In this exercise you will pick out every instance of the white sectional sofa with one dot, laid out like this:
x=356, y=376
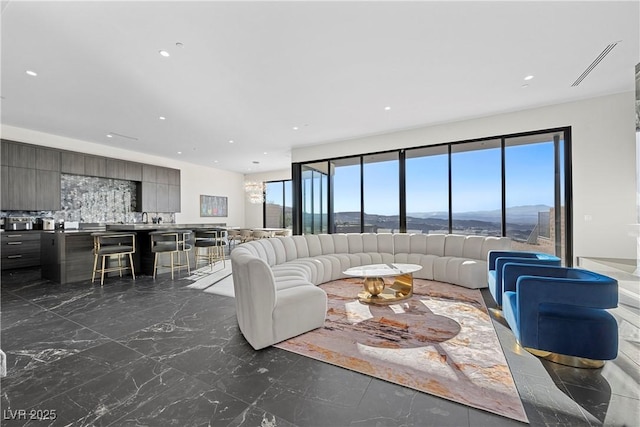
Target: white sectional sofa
x=275, y=279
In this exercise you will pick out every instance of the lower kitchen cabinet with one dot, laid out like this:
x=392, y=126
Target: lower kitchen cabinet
x=20, y=249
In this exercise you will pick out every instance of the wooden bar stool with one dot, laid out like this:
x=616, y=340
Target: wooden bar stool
x=213, y=242
x=174, y=243
x=110, y=244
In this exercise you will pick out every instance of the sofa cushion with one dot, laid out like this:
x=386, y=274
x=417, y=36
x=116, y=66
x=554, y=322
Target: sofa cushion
x=454, y=245
x=302, y=249
x=313, y=243
x=340, y=243
x=473, y=247
x=435, y=244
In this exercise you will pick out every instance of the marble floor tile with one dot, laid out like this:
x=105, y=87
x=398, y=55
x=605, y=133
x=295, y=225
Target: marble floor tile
x=154, y=352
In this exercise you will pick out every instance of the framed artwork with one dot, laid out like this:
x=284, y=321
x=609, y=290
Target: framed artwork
x=213, y=205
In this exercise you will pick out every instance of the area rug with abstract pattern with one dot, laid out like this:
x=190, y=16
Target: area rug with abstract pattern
x=440, y=341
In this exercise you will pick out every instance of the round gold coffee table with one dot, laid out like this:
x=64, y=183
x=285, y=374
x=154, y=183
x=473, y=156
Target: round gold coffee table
x=385, y=283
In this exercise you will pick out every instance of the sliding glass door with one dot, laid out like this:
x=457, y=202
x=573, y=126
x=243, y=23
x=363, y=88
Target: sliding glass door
x=534, y=194
x=427, y=189
x=315, y=212
x=515, y=186
x=476, y=183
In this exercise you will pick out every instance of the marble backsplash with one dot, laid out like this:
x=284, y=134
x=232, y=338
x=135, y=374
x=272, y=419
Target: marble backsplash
x=88, y=199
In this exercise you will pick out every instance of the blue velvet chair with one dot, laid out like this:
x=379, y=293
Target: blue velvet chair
x=560, y=313
x=497, y=259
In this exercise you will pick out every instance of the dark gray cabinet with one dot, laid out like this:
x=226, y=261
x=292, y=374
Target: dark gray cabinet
x=160, y=189
x=148, y=198
x=47, y=195
x=21, y=189
x=19, y=155
x=133, y=171
x=162, y=197
x=47, y=159
x=115, y=169
x=149, y=173
x=20, y=249
x=174, y=198
x=95, y=166
x=31, y=177
x=72, y=163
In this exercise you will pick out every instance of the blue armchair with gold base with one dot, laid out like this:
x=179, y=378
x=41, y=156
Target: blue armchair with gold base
x=560, y=313
x=497, y=259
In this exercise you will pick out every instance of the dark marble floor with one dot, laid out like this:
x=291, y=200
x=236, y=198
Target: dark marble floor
x=156, y=353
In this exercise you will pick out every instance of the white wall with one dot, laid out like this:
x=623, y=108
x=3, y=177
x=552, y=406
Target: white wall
x=194, y=180
x=253, y=215
x=604, y=170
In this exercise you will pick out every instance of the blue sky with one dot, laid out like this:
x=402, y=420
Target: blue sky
x=476, y=181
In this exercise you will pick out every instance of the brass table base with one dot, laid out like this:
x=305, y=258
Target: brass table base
x=378, y=291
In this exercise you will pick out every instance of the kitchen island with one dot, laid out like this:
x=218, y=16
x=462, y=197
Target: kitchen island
x=67, y=255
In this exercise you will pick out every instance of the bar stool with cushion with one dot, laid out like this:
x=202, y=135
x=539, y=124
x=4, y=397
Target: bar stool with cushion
x=213, y=242
x=174, y=243
x=112, y=244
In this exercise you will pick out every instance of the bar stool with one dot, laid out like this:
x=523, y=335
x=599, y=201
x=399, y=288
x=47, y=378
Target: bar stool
x=213, y=241
x=172, y=242
x=109, y=244
x=233, y=236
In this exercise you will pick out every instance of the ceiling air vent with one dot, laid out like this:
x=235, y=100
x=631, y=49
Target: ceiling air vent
x=593, y=65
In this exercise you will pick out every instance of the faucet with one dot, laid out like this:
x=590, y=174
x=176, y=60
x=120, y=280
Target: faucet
x=145, y=218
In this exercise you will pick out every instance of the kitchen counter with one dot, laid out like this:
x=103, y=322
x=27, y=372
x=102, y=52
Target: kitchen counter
x=163, y=226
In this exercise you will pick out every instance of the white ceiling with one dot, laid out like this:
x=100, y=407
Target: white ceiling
x=251, y=71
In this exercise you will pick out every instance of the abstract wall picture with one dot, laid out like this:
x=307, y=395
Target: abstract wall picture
x=213, y=206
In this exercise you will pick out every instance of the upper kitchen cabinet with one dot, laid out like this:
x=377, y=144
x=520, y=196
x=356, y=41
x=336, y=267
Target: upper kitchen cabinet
x=133, y=171
x=72, y=163
x=116, y=169
x=174, y=176
x=95, y=166
x=160, y=189
x=149, y=173
x=18, y=155
x=47, y=159
x=30, y=177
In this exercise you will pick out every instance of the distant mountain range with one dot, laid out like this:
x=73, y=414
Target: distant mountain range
x=515, y=215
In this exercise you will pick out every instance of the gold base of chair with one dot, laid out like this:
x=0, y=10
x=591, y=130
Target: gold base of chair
x=563, y=359
x=105, y=269
x=173, y=265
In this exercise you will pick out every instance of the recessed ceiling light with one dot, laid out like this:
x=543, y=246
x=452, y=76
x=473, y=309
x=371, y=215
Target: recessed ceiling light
x=109, y=135
x=32, y=73
x=231, y=141
x=529, y=77
x=215, y=161
x=179, y=152
x=164, y=53
x=162, y=118
x=525, y=85
x=178, y=44
x=255, y=162
x=387, y=108
x=295, y=128
x=265, y=153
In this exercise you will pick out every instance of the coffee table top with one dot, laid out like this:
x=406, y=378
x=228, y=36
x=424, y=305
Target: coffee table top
x=382, y=270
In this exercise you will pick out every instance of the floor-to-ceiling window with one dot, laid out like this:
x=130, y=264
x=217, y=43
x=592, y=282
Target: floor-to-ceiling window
x=278, y=204
x=476, y=183
x=427, y=189
x=514, y=185
x=346, y=195
x=533, y=192
x=381, y=193
x=315, y=213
